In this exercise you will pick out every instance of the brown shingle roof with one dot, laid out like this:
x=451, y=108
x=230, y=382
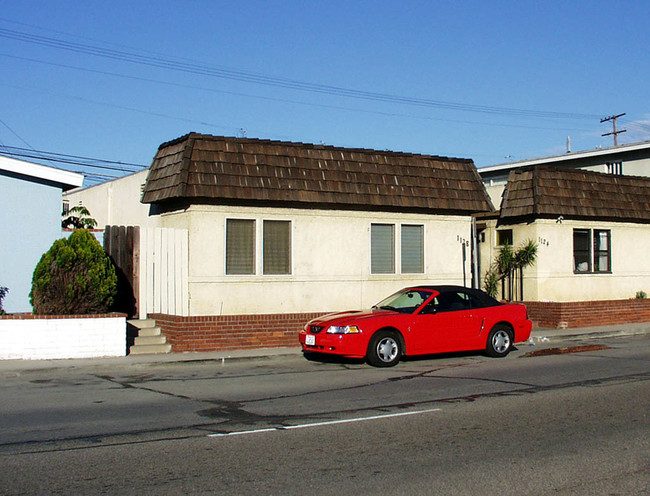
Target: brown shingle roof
x=204, y=168
x=550, y=192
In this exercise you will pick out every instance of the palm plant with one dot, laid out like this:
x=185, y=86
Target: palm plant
x=78, y=218
x=3, y=293
x=508, y=263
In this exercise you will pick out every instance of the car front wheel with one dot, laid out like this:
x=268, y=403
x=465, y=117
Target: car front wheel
x=499, y=342
x=384, y=350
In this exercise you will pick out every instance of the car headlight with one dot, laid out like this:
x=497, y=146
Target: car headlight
x=343, y=330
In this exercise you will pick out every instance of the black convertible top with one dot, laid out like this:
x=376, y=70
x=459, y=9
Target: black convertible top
x=485, y=299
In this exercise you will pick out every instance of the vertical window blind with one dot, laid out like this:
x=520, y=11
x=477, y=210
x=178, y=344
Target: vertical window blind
x=240, y=246
x=276, y=253
x=412, y=249
x=382, y=251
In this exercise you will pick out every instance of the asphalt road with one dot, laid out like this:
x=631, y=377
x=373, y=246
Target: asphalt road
x=569, y=424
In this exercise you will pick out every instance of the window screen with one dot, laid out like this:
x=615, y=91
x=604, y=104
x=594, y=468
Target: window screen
x=412, y=249
x=382, y=251
x=240, y=246
x=601, y=251
x=277, y=247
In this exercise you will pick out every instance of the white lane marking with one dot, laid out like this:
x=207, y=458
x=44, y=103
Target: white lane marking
x=329, y=422
x=239, y=433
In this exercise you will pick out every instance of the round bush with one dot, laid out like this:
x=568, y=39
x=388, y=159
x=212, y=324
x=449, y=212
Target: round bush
x=74, y=277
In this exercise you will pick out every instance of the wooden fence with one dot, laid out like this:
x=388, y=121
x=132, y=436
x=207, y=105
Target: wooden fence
x=152, y=265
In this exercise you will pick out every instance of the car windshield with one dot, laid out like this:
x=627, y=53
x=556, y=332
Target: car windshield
x=407, y=301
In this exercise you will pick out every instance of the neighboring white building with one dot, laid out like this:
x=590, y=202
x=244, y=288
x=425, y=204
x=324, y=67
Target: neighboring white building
x=628, y=160
x=115, y=202
x=30, y=201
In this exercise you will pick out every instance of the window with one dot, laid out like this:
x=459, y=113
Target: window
x=602, y=251
x=615, y=168
x=451, y=301
x=504, y=237
x=412, y=249
x=382, y=248
x=591, y=250
x=404, y=302
x=240, y=246
x=581, y=251
x=276, y=252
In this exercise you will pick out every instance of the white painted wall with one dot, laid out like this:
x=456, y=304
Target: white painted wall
x=115, y=203
x=330, y=260
x=45, y=338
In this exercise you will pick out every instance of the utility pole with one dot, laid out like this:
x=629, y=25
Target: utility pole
x=615, y=133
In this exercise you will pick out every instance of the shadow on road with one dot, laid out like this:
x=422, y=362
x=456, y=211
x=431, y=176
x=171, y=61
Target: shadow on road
x=327, y=358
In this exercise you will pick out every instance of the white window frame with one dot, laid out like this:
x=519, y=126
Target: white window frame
x=258, y=245
x=398, y=248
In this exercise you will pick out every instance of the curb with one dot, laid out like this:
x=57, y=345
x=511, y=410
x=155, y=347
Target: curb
x=538, y=336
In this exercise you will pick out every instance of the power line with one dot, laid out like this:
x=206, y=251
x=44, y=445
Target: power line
x=77, y=161
x=256, y=78
x=14, y=132
x=97, y=160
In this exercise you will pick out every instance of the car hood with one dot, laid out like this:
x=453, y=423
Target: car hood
x=350, y=316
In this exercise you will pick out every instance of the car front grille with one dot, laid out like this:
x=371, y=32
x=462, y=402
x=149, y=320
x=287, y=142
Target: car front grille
x=316, y=329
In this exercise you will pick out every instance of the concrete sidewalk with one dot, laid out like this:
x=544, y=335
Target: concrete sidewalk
x=539, y=336
x=543, y=334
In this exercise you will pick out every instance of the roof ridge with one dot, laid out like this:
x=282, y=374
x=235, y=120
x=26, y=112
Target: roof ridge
x=301, y=144
x=248, y=169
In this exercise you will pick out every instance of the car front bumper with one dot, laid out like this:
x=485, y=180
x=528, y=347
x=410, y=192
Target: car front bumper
x=348, y=345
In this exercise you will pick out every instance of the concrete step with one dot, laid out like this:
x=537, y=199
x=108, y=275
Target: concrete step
x=150, y=349
x=150, y=331
x=142, y=323
x=147, y=340
x=150, y=339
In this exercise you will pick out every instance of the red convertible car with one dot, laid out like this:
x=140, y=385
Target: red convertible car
x=419, y=321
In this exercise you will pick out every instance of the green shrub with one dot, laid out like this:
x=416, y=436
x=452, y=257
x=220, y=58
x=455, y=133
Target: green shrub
x=641, y=295
x=74, y=277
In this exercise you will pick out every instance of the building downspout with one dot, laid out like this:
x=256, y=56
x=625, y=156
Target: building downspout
x=475, y=272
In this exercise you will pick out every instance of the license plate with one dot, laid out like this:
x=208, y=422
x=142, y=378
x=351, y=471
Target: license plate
x=310, y=340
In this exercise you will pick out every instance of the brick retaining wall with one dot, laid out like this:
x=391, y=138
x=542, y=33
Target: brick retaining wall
x=236, y=332
x=574, y=314
x=232, y=332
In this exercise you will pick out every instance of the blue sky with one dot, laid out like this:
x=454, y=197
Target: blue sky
x=493, y=81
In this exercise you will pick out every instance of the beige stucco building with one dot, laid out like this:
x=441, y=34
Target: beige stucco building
x=592, y=230
x=278, y=227
x=329, y=258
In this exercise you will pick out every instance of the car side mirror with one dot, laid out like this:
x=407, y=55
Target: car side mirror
x=429, y=310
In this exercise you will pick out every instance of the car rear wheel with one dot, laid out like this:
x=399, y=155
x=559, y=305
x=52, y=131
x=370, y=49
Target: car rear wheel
x=499, y=342
x=385, y=349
